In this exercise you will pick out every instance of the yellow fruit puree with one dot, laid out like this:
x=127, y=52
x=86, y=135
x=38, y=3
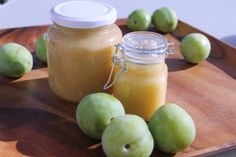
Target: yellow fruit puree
x=142, y=89
x=79, y=60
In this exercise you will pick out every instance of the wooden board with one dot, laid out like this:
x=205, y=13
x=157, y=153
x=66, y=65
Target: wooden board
x=34, y=122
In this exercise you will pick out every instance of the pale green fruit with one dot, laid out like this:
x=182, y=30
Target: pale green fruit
x=139, y=20
x=15, y=60
x=41, y=48
x=95, y=112
x=127, y=136
x=165, y=20
x=172, y=128
x=195, y=47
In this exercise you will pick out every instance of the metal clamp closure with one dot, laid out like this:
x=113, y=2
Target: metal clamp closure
x=118, y=59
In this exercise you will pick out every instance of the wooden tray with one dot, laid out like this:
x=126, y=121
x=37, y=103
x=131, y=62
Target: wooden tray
x=34, y=122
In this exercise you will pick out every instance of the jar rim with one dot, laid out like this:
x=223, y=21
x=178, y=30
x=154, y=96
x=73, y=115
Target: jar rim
x=145, y=42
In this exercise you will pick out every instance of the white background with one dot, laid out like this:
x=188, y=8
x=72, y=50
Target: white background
x=216, y=17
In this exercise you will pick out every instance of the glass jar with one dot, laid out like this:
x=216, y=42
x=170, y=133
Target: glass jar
x=80, y=46
x=141, y=73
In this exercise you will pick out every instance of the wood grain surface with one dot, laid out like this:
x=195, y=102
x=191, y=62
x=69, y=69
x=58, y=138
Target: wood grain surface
x=34, y=122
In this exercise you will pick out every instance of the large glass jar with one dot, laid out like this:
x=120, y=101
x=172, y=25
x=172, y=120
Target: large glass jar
x=80, y=46
x=141, y=73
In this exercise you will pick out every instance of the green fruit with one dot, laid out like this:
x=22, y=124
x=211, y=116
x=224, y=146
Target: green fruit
x=172, y=128
x=165, y=20
x=195, y=47
x=139, y=20
x=41, y=48
x=95, y=112
x=15, y=60
x=127, y=136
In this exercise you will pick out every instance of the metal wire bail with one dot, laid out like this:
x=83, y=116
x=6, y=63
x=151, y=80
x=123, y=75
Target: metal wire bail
x=117, y=59
x=170, y=48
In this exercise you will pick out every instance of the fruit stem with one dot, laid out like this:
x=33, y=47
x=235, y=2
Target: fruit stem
x=95, y=146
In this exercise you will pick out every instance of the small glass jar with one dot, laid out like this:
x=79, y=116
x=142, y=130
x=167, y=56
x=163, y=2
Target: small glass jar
x=80, y=46
x=140, y=81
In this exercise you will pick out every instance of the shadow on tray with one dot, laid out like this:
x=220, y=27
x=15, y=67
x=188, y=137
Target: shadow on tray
x=41, y=123
x=177, y=64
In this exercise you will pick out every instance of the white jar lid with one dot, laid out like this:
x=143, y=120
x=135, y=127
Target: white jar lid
x=83, y=14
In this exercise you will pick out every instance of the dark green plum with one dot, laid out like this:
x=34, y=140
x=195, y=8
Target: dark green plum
x=41, y=48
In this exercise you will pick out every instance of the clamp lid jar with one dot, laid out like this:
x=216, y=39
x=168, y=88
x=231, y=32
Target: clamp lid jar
x=140, y=81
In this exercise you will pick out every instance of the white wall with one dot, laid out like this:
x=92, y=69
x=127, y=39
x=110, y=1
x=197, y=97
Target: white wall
x=215, y=17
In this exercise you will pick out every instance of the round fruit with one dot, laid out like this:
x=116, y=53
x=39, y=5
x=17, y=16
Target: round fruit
x=195, y=47
x=165, y=20
x=139, y=20
x=15, y=60
x=41, y=48
x=172, y=128
x=127, y=136
x=95, y=112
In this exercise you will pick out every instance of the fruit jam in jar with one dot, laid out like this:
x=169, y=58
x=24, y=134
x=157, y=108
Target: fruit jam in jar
x=140, y=81
x=80, y=46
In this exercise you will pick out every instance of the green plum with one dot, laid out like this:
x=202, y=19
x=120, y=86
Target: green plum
x=15, y=60
x=95, y=112
x=195, y=48
x=172, y=128
x=165, y=19
x=127, y=136
x=41, y=48
x=139, y=20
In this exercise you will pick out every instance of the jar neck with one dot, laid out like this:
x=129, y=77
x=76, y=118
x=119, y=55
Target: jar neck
x=144, y=58
x=81, y=30
x=145, y=69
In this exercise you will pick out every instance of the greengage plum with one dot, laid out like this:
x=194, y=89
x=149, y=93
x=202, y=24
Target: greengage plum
x=172, y=128
x=41, y=48
x=165, y=19
x=139, y=20
x=15, y=60
x=195, y=47
x=95, y=112
x=127, y=136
